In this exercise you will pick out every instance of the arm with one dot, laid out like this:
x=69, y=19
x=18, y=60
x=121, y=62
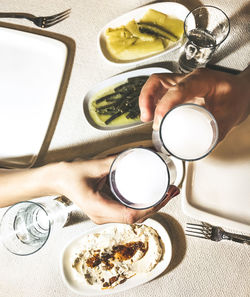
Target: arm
x=21, y=184
x=226, y=96
x=83, y=182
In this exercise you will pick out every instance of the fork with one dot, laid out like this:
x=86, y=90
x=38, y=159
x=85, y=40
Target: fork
x=42, y=21
x=214, y=233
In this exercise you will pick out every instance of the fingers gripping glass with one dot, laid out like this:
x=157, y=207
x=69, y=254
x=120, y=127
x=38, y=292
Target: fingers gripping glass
x=188, y=132
x=139, y=177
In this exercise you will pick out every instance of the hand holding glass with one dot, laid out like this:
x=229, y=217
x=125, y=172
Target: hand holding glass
x=139, y=177
x=188, y=132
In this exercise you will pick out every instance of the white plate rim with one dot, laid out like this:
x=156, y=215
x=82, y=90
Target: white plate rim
x=45, y=139
x=170, y=8
x=130, y=283
x=111, y=81
x=201, y=215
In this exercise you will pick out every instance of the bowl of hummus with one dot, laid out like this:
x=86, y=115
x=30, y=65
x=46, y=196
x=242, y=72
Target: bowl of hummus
x=112, y=258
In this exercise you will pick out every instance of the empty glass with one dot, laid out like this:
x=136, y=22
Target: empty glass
x=25, y=227
x=139, y=177
x=205, y=28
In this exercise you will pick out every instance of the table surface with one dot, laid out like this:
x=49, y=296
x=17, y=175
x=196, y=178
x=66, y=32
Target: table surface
x=198, y=267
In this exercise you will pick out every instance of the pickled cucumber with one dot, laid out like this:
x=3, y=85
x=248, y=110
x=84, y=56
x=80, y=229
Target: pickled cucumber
x=141, y=49
x=117, y=46
x=118, y=33
x=118, y=39
x=153, y=29
x=171, y=24
x=133, y=28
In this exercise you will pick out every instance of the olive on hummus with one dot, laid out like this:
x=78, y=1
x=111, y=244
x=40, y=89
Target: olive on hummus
x=119, y=252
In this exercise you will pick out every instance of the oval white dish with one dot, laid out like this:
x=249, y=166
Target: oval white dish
x=110, y=82
x=80, y=288
x=170, y=8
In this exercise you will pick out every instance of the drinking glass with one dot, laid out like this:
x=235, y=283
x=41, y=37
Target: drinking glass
x=205, y=28
x=140, y=177
x=188, y=132
x=25, y=226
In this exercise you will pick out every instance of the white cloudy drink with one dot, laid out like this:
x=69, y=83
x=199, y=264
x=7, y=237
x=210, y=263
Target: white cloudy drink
x=188, y=132
x=140, y=178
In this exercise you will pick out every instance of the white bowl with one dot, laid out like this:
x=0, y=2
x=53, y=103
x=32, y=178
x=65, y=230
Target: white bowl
x=110, y=82
x=80, y=288
x=170, y=8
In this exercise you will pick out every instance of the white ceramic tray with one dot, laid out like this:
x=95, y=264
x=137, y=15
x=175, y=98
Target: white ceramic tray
x=217, y=189
x=34, y=73
x=170, y=8
x=80, y=288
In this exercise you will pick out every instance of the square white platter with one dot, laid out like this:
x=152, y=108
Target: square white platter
x=34, y=73
x=217, y=189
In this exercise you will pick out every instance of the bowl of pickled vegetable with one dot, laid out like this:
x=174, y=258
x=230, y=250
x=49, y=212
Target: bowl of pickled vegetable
x=114, y=103
x=143, y=33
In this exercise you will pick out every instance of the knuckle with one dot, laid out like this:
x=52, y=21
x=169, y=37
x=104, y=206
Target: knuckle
x=226, y=85
x=179, y=88
x=199, y=71
x=160, y=110
x=154, y=76
x=182, y=87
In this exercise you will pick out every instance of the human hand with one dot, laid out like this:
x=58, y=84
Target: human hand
x=225, y=95
x=83, y=182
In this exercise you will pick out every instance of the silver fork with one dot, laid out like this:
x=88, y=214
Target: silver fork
x=41, y=21
x=207, y=231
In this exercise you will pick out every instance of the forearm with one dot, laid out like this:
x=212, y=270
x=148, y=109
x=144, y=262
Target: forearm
x=25, y=184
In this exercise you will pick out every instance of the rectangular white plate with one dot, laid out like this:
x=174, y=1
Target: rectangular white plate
x=217, y=189
x=33, y=73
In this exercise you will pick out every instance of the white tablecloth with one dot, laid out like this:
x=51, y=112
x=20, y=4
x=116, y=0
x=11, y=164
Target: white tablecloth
x=198, y=267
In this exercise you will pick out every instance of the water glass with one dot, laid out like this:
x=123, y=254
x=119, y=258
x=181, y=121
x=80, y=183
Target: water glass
x=25, y=227
x=205, y=28
x=188, y=132
x=140, y=177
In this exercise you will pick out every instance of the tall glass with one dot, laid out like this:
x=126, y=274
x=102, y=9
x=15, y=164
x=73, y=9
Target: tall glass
x=25, y=227
x=188, y=132
x=205, y=28
x=139, y=177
